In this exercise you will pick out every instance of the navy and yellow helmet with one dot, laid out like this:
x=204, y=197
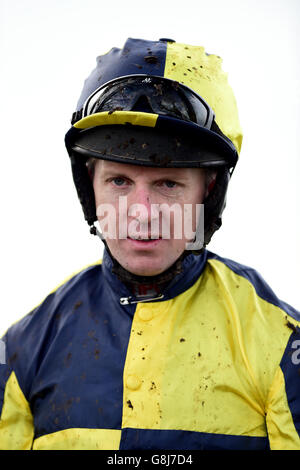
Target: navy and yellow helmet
x=160, y=104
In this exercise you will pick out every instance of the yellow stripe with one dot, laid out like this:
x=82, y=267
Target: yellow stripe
x=282, y=432
x=80, y=439
x=203, y=73
x=253, y=319
x=213, y=360
x=233, y=310
x=193, y=376
x=135, y=118
x=16, y=424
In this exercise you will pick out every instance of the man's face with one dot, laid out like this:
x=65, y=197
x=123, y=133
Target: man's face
x=127, y=199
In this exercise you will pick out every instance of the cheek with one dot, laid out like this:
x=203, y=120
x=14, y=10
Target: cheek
x=101, y=194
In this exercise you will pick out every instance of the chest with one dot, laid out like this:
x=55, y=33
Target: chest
x=170, y=376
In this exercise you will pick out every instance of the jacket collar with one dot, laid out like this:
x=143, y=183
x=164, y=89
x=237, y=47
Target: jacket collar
x=191, y=268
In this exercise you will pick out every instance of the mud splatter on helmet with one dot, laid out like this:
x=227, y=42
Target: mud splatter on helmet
x=159, y=104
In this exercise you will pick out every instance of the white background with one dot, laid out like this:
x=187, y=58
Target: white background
x=47, y=50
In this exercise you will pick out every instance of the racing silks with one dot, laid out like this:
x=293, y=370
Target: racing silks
x=214, y=364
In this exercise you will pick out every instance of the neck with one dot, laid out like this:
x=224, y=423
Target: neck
x=147, y=285
x=177, y=279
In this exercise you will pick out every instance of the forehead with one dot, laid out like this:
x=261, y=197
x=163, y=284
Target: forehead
x=106, y=167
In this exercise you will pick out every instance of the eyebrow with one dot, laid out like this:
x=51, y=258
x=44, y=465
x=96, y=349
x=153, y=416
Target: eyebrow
x=113, y=172
x=122, y=173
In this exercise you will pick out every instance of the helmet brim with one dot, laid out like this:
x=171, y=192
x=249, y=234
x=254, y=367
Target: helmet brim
x=149, y=140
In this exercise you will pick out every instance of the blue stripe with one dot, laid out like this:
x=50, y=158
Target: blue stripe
x=209, y=139
x=5, y=371
x=290, y=366
x=134, y=58
x=70, y=354
x=188, y=440
x=192, y=264
x=263, y=290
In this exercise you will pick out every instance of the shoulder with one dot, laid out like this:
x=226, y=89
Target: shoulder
x=64, y=293
x=27, y=340
x=239, y=276
x=263, y=328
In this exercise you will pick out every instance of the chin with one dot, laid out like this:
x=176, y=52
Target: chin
x=145, y=270
x=143, y=264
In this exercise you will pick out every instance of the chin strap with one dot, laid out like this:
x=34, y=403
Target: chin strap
x=95, y=231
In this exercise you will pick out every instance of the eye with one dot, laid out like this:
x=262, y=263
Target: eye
x=118, y=181
x=170, y=184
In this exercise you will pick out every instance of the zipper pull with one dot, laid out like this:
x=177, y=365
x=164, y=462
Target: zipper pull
x=128, y=300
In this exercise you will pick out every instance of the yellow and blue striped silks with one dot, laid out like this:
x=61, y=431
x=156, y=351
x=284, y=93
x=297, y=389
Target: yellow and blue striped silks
x=213, y=365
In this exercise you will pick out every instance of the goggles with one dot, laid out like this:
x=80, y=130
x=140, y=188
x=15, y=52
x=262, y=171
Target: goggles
x=141, y=92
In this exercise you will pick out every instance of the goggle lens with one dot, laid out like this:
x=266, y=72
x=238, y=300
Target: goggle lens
x=162, y=96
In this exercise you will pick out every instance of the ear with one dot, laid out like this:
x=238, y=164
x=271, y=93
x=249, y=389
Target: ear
x=90, y=164
x=91, y=173
x=210, y=184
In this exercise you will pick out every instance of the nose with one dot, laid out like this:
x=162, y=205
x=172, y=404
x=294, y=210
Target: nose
x=140, y=201
x=142, y=195
x=142, y=217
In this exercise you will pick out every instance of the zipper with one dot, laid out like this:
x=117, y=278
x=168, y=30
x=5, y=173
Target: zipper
x=128, y=300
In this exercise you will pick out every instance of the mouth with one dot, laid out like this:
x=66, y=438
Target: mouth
x=144, y=239
x=144, y=242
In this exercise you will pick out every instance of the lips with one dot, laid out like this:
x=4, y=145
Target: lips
x=144, y=242
x=143, y=239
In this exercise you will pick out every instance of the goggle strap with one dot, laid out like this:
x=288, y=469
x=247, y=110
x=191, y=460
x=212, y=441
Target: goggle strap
x=76, y=116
